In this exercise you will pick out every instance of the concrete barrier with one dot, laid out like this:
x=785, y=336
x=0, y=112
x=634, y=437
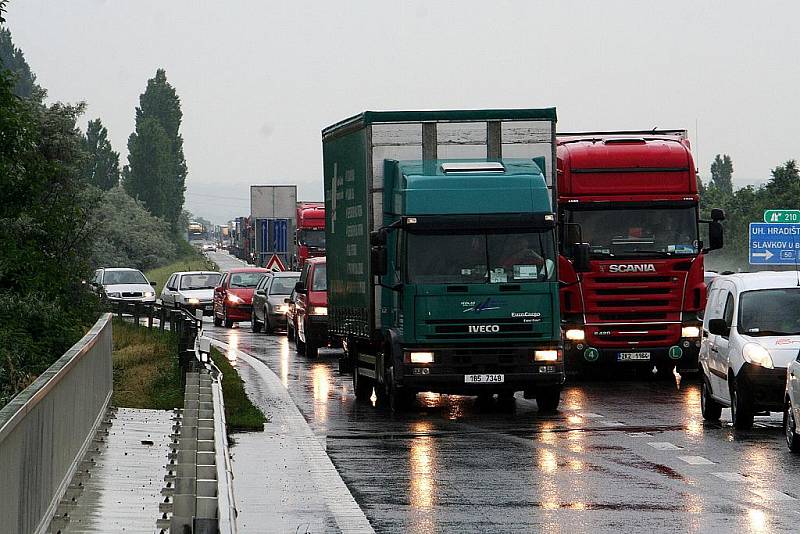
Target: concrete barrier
x=47, y=428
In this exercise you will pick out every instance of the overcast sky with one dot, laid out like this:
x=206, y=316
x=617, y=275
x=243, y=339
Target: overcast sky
x=258, y=80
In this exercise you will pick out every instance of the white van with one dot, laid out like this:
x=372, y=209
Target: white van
x=751, y=331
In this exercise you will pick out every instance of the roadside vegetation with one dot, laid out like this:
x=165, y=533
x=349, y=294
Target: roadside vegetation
x=240, y=413
x=146, y=370
x=191, y=262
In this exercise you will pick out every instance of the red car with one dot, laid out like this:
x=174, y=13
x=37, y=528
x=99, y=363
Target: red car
x=309, y=326
x=233, y=297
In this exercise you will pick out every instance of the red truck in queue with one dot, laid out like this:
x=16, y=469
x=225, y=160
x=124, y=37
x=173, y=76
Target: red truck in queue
x=310, y=232
x=631, y=260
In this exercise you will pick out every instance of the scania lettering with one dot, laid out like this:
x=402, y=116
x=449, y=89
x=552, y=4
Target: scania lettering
x=631, y=257
x=449, y=216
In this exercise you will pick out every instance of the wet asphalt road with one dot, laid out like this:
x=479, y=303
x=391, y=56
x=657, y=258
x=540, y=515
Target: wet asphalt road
x=628, y=453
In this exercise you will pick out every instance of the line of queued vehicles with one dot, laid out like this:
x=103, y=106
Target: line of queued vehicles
x=477, y=252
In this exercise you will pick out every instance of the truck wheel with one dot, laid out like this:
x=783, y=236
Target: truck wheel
x=255, y=326
x=741, y=411
x=399, y=399
x=362, y=386
x=790, y=428
x=548, y=397
x=710, y=408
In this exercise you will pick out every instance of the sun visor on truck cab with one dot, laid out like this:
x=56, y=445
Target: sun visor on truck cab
x=510, y=222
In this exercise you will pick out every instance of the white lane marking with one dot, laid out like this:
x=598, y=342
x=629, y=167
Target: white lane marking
x=590, y=415
x=640, y=434
x=612, y=423
x=664, y=446
x=772, y=495
x=729, y=476
x=696, y=460
x=344, y=508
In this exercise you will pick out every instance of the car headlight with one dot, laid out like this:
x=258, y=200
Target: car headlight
x=690, y=331
x=192, y=300
x=319, y=310
x=546, y=355
x=114, y=294
x=575, y=334
x=757, y=355
x=420, y=357
x=234, y=299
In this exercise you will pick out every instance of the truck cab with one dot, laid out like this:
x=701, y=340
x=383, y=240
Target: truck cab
x=631, y=255
x=310, y=233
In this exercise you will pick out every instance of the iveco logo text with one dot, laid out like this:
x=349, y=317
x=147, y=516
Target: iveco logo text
x=643, y=268
x=483, y=328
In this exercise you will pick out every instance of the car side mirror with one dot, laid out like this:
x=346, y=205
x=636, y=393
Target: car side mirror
x=378, y=260
x=718, y=327
x=287, y=301
x=154, y=284
x=299, y=288
x=260, y=292
x=581, y=258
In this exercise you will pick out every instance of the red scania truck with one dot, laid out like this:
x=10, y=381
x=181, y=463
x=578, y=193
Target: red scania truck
x=631, y=260
x=310, y=233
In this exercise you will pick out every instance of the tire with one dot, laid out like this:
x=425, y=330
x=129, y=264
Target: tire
x=741, y=410
x=548, y=397
x=289, y=330
x=227, y=322
x=362, y=386
x=711, y=409
x=268, y=328
x=398, y=399
x=790, y=428
x=255, y=326
x=311, y=351
x=217, y=320
x=299, y=346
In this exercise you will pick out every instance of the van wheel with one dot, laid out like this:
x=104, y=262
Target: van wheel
x=362, y=386
x=548, y=397
x=710, y=408
x=790, y=428
x=741, y=411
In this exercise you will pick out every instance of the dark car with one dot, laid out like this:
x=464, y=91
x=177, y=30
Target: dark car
x=233, y=297
x=269, y=301
x=311, y=308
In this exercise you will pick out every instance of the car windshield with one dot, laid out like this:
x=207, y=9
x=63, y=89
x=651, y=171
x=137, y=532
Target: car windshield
x=770, y=312
x=199, y=281
x=463, y=258
x=111, y=278
x=633, y=232
x=320, y=278
x=313, y=238
x=245, y=279
x=283, y=285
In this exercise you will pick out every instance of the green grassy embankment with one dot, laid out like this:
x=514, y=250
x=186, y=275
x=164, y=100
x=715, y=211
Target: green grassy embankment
x=240, y=413
x=192, y=262
x=146, y=371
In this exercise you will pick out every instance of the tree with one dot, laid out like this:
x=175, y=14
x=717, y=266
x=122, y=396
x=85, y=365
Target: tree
x=722, y=173
x=13, y=60
x=102, y=168
x=157, y=170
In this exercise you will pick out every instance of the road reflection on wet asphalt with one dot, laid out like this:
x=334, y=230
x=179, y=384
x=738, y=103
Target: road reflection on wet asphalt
x=620, y=454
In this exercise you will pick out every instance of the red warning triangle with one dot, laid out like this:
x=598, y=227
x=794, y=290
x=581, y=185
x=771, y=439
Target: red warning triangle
x=275, y=264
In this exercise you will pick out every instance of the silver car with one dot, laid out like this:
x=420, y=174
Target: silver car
x=192, y=290
x=269, y=301
x=123, y=285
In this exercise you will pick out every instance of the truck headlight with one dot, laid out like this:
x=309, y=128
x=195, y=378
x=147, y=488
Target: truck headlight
x=192, y=300
x=546, y=355
x=690, y=331
x=757, y=355
x=420, y=357
x=319, y=310
x=575, y=334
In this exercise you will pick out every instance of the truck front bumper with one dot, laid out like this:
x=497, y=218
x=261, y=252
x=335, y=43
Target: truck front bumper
x=682, y=353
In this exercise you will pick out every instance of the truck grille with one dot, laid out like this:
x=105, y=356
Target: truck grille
x=474, y=328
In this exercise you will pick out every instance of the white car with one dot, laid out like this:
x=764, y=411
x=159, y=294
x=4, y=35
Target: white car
x=120, y=284
x=209, y=247
x=751, y=333
x=791, y=414
x=192, y=290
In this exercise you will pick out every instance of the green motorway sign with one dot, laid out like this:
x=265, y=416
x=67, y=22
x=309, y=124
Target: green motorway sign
x=782, y=216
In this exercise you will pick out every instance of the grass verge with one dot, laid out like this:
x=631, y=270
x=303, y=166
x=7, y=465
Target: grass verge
x=191, y=262
x=240, y=413
x=146, y=371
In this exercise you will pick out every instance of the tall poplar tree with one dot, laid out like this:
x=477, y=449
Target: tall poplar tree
x=102, y=167
x=156, y=171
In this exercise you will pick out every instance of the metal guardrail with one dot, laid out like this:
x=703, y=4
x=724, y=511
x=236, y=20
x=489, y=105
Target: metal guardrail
x=48, y=427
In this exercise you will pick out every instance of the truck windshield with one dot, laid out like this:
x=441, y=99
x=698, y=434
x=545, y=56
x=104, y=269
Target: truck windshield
x=312, y=238
x=634, y=231
x=477, y=258
x=766, y=312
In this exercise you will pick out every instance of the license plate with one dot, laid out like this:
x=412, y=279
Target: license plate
x=633, y=357
x=209, y=307
x=484, y=379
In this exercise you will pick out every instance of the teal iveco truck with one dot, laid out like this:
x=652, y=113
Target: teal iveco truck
x=441, y=252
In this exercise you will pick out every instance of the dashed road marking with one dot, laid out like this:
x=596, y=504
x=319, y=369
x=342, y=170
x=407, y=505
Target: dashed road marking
x=613, y=423
x=590, y=415
x=664, y=446
x=640, y=434
x=730, y=476
x=772, y=495
x=696, y=460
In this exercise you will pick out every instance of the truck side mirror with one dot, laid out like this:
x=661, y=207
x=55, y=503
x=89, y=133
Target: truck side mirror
x=299, y=288
x=378, y=260
x=718, y=327
x=715, y=236
x=581, y=258
x=377, y=238
x=717, y=214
